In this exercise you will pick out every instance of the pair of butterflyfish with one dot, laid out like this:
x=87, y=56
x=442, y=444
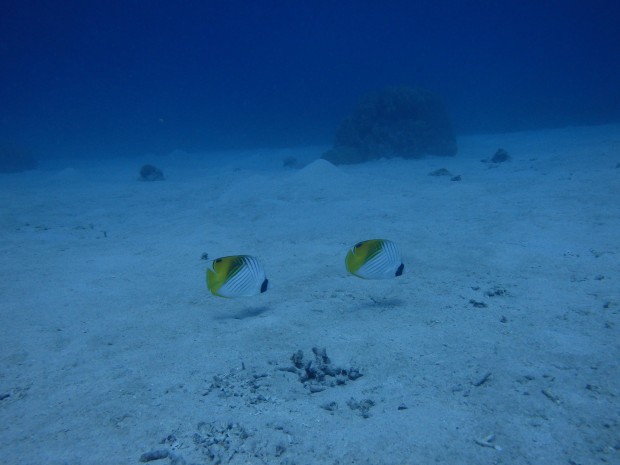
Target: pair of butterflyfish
x=244, y=275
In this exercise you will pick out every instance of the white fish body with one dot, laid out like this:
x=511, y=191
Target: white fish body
x=374, y=259
x=236, y=276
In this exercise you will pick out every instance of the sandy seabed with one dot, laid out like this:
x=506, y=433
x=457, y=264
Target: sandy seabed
x=500, y=344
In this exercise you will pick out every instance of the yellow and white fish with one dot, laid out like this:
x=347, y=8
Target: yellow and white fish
x=374, y=259
x=236, y=276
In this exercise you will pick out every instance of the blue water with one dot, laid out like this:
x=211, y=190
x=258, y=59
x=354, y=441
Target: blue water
x=109, y=78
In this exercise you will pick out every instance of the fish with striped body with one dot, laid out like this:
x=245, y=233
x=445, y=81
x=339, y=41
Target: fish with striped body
x=374, y=259
x=236, y=276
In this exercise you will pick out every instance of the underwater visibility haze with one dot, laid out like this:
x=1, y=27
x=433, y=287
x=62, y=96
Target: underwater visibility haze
x=127, y=78
x=309, y=232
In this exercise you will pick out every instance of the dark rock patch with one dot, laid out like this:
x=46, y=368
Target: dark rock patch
x=477, y=303
x=151, y=173
x=440, y=172
x=500, y=156
x=396, y=122
x=496, y=292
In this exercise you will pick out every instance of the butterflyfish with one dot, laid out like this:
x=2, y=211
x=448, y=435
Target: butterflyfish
x=236, y=276
x=374, y=259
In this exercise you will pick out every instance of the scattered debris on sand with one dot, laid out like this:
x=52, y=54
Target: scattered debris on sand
x=320, y=373
x=488, y=442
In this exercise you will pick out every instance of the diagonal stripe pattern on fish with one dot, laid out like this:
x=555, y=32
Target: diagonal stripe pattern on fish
x=236, y=276
x=374, y=259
